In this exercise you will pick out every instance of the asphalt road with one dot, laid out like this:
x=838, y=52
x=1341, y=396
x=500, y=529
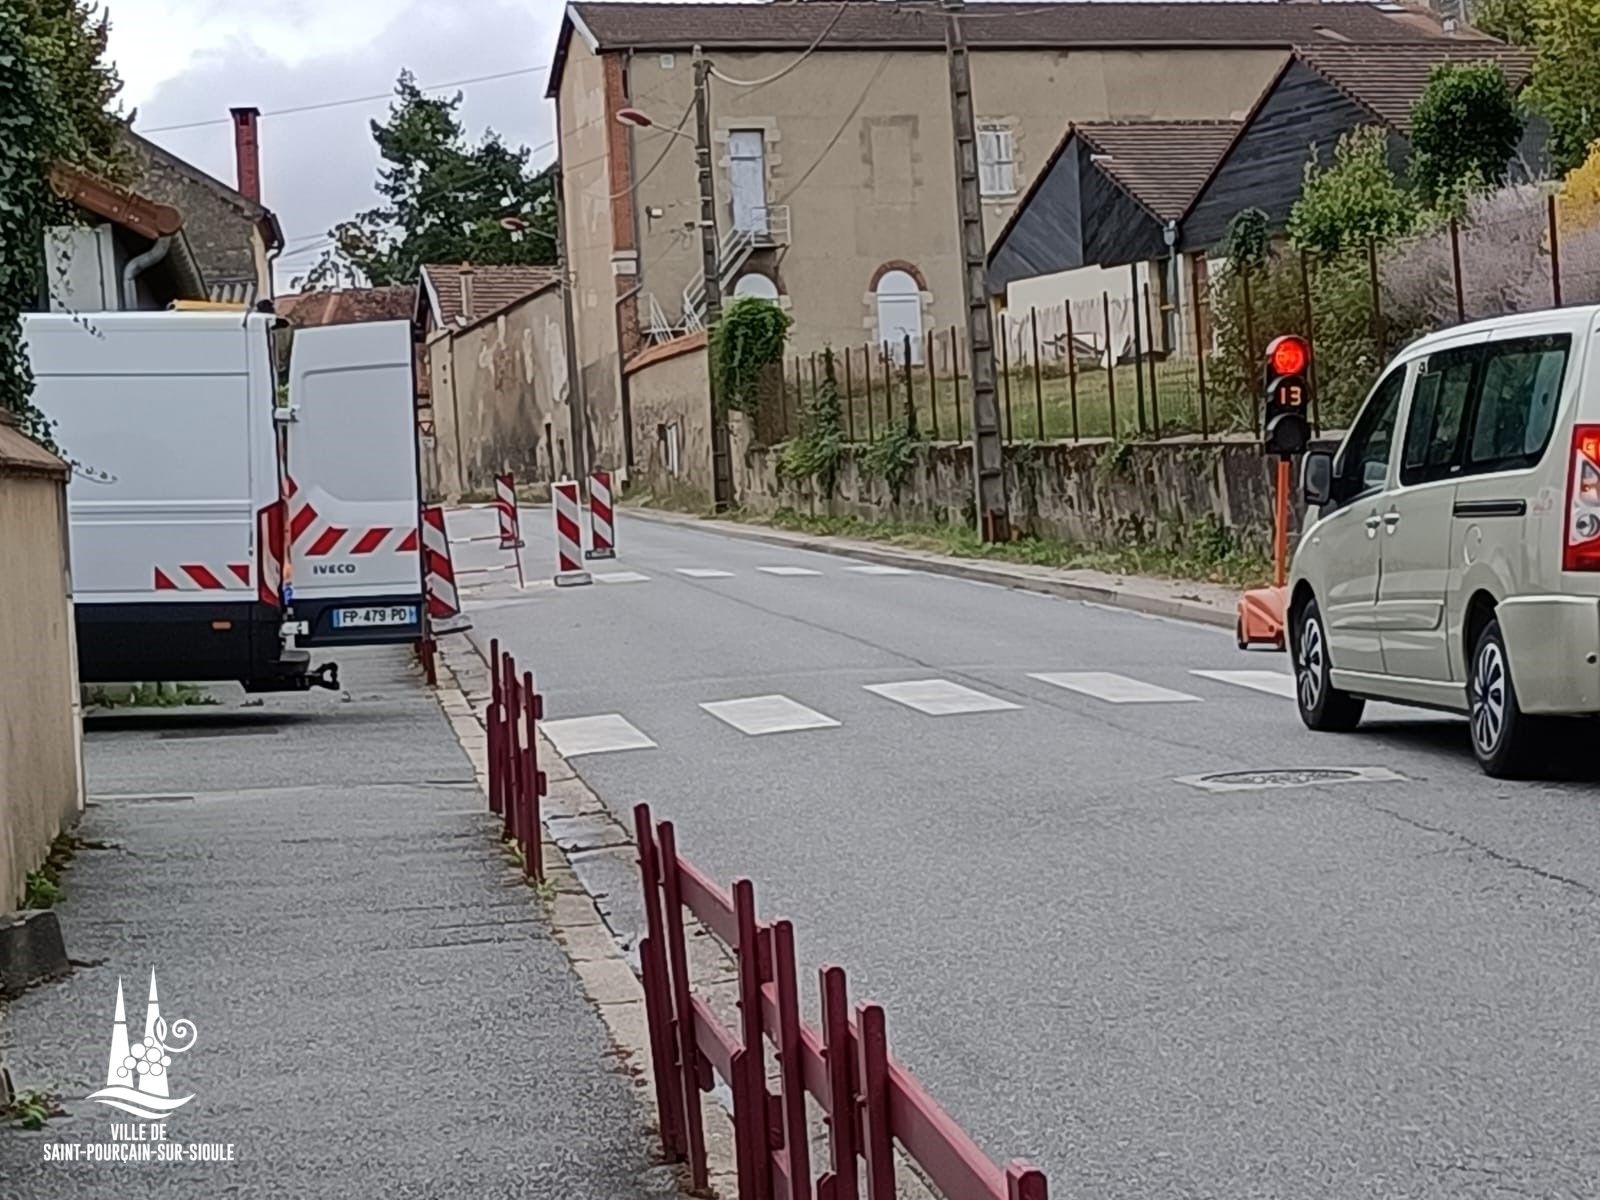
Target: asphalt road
x=1377, y=988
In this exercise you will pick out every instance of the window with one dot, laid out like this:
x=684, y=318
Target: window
x=1440, y=403
x=997, y=166
x=754, y=283
x=1517, y=402
x=1363, y=461
x=899, y=315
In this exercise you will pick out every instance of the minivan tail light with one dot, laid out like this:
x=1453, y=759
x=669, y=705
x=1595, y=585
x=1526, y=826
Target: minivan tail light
x=1582, y=551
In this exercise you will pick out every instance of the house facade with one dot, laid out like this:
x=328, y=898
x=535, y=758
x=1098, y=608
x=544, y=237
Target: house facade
x=832, y=146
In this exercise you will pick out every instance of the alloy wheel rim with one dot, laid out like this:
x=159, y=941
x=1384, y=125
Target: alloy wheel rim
x=1489, y=684
x=1311, y=661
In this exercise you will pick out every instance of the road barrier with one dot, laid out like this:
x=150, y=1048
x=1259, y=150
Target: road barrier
x=569, y=535
x=870, y=1101
x=516, y=783
x=602, y=520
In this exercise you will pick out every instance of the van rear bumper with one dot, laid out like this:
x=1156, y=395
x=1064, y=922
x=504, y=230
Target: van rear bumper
x=197, y=642
x=318, y=615
x=1554, y=646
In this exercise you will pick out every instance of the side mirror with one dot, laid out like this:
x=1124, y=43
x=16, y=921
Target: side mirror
x=1316, y=478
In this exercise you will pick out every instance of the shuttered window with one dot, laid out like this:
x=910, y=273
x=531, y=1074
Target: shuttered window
x=997, y=168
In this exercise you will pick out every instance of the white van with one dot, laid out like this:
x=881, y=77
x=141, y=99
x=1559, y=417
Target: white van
x=1452, y=555
x=216, y=533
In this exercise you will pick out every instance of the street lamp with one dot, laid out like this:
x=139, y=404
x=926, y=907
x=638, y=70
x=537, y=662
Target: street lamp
x=637, y=119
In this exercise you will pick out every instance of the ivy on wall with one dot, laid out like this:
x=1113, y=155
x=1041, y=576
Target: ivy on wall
x=747, y=340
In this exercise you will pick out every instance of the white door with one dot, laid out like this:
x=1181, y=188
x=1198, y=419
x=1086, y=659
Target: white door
x=899, y=316
x=747, y=156
x=1344, y=541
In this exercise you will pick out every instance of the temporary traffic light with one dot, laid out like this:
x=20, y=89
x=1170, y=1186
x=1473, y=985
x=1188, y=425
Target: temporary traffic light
x=1286, y=427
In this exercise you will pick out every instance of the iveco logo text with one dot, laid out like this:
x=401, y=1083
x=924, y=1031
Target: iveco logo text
x=346, y=568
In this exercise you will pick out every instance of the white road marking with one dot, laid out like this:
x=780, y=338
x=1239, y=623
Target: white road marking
x=619, y=577
x=789, y=571
x=1277, y=683
x=768, y=714
x=704, y=573
x=876, y=569
x=939, y=697
x=595, y=735
x=1113, y=688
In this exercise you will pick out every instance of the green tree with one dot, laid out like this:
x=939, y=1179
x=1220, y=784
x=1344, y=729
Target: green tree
x=1509, y=20
x=1354, y=200
x=1567, y=36
x=444, y=200
x=56, y=95
x=1464, y=129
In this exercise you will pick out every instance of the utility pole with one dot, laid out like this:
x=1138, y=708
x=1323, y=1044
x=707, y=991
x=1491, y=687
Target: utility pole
x=994, y=522
x=577, y=412
x=711, y=271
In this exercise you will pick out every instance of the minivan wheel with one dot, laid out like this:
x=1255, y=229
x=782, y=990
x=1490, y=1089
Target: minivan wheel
x=1503, y=739
x=1322, y=706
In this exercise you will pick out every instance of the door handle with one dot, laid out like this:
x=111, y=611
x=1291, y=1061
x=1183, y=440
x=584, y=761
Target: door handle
x=1390, y=520
x=1372, y=525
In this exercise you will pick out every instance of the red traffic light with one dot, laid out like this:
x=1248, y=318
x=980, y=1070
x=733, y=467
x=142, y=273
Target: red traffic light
x=1288, y=355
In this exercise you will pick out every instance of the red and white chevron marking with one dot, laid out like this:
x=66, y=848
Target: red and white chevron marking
x=505, y=506
x=569, y=534
x=602, y=528
x=269, y=554
x=197, y=577
x=310, y=534
x=443, y=599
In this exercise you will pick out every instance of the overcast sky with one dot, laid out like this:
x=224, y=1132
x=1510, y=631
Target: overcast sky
x=185, y=61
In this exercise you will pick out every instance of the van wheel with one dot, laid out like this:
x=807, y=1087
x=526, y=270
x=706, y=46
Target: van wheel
x=1503, y=739
x=1322, y=706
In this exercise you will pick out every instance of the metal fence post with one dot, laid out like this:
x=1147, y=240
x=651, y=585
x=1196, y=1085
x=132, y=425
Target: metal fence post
x=657, y=1002
x=1138, y=348
x=1072, y=368
x=1377, y=302
x=933, y=388
x=1005, y=368
x=1555, y=254
x=1455, y=271
x=877, y=1141
x=1111, y=365
x=839, y=1056
x=1038, y=379
x=866, y=373
x=849, y=400
x=689, y=1059
x=751, y=1124
x=1199, y=345
x=791, y=1066
x=1150, y=345
x=533, y=829
x=953, y=359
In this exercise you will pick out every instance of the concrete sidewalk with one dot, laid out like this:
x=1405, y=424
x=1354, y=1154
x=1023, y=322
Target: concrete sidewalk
x=381, y=1009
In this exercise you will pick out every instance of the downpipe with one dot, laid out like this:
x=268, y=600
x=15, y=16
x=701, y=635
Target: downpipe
x=139, y=264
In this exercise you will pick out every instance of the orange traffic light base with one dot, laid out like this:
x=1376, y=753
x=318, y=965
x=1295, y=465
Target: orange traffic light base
x=1263, y=612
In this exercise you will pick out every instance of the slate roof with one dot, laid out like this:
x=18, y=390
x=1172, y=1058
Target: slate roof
x=1387, y=80
x=349, y=306
x=920, y=24
x=493, y=288
x=1161, y=164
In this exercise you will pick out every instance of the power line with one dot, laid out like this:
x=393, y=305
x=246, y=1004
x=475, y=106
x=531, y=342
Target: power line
x=389, y=95
x=776, y=75
x=883, y=61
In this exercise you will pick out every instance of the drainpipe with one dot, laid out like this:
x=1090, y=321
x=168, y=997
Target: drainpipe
x=1169, y=318
x=139, y=264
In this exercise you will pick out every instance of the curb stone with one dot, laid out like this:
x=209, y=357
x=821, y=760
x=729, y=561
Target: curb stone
x=1176, y=607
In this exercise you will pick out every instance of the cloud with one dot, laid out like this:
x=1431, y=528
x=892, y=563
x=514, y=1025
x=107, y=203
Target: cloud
x=319, y=167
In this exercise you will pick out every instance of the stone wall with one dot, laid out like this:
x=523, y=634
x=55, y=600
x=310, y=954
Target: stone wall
x=1093, y=493
x=41, y=782
x=671, y=409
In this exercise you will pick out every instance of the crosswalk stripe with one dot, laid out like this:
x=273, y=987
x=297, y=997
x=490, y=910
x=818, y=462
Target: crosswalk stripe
x=879, y=569
x=1112, y=688
x=1276, y=683
x=595, y=735
x=619, y=577
x=704, y=573
x=939, y=697
x=768, y=714
x=788, y=571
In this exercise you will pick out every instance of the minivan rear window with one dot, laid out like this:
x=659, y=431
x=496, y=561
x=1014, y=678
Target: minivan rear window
x=1517, y=402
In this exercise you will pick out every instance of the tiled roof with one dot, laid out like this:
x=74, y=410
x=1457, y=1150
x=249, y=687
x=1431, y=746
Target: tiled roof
x=493, y=288
x=1388, y=80
x=350, y=306
x=900, y=23
x=1161, y=164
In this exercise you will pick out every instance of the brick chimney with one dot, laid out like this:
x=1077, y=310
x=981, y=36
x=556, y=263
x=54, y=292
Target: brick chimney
x=247, y=152
x=466, y=291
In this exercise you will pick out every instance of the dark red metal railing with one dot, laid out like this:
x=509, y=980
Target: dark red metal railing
x=516, y=783
x=870, y=1101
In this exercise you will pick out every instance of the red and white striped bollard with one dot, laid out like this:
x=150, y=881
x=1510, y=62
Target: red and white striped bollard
x=602, y=527
x=569, y=535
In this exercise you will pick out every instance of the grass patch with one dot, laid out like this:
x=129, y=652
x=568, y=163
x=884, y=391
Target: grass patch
x=42, y=888
x=152, y=695
x=31, y=1109
x=1204, y=552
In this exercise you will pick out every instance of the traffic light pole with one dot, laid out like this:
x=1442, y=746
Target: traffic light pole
x=1280, y=532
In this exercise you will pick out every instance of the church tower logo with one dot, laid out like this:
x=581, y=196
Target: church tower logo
x=138, y=1073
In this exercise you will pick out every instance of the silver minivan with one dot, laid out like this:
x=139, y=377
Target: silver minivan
x=1451, y=554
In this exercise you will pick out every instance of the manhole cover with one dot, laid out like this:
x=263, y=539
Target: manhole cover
x=1289, y=777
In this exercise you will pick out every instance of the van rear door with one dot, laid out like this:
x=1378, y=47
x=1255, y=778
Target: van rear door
x=351, y=481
